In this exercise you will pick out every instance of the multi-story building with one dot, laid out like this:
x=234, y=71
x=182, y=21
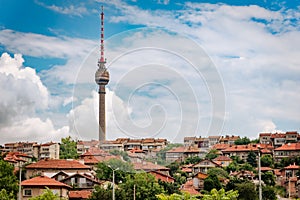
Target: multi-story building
x=48, y=150
x=181, y=153
x=229, y=139
x=287, y=150
x=278, y=139
x=83, y=146
x=22, y=147
x=127, y=144
x=265, y=138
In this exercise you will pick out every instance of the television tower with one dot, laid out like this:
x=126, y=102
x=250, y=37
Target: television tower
x=102, y=79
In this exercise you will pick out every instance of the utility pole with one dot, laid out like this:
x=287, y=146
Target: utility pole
x=259, y=174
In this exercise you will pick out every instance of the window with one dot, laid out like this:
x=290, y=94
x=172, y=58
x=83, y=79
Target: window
x=27, y=192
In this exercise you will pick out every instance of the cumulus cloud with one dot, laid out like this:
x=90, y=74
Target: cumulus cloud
x=23, y=95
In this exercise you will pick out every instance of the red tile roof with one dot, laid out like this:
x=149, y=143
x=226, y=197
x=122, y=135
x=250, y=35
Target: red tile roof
x=162, y=177
x=220, y=146
x=278, y=135
x=43, y=181
x=189, y=188
x=80, y=194
x=292, y=133
x=148, y=166
x=248, y=147
x=265, y=134
x=289, y=147
x=57, y=164
x=222, y=158
x=294, y=166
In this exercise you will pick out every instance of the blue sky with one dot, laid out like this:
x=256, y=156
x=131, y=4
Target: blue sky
x=178, y=68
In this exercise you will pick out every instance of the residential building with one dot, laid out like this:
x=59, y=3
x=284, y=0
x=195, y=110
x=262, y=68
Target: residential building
x=213, y=140
x=204, y=165
x=22, y=147
x=289, y=179
x=79, y=194
x=229, y=139
x=54, y=166
x=265, y=138
x=189, y=188
x=224, y=161
x=242, y=151
x=80, y=181
x=149, y=166
x=48, y=150
x=291, y=136
x=37, y=185
x=198, y=180
x=83, y=146
x=181, y=153
x=161, y=176
x=287, y=150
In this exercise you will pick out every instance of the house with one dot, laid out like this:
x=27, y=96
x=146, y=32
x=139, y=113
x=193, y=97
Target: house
x=198, y=180
x=36, y=186
x=291, y=136
x=149, y=166
x=22, y=147
x=55, y=166
x=187, y=169
x=287, y=150
x=117, y=144
x=48, y=150
x=289, y=179
x=79, y=194
x=224, y=161
x=265, y=138
x=181, y=153
x=243, y=174
x=220, y=146
x=213, y=140
x=204, y=165
x=242, y=151
x=161, y=176
x=83, y=146
x=17, y=159
x=278, y=139
x=229, y=139
x=80, y=181
x=189, y=188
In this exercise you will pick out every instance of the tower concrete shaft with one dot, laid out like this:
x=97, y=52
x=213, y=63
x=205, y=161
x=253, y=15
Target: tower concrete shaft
x=102, y=79
x=102, y=118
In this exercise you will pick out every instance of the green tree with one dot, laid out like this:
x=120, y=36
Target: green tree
x=267, y=161
x=219, y=172
x=247, y=191
x=221, y=195
x=212, y=154
x=246, y=166
x=192, y=160
x=100, y=192
x=68, y=148
x=169, y=188
x=268, y=178
x=232, y=167
x=176, y=196
x=105, y=170
x=146, y=187
x=5, y=196
x=47, y=195
x=8, y=180
x=251, y=159
x=212, y=182
x=124, y=154
x=242, y=141
x=269, y=193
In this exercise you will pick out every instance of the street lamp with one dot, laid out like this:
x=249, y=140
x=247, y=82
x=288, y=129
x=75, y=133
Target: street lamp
x=259, y=173
x=113, y=197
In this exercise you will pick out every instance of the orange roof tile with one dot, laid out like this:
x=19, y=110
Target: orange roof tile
x=278, y=135
x=83, y=194
x=189, y=188
x=57, y=164
x=292, y=133
x=289, y=147
x=265, y=134
x=294, y=166
x=163, y=177
x=43, y=181
x=222, y=158
x=220, y=146
x=148, y=166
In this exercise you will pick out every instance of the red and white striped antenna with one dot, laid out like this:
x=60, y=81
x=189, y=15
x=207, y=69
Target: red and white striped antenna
x=102, y=59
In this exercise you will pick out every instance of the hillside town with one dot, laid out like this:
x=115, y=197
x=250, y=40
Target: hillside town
x=73, y=169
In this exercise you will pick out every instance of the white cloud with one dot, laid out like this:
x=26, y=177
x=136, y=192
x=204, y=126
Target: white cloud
x=67, y=10
x=23, y=95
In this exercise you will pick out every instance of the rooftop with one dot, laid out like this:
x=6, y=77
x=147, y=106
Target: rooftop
x=43, y=181
x=57, y=164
